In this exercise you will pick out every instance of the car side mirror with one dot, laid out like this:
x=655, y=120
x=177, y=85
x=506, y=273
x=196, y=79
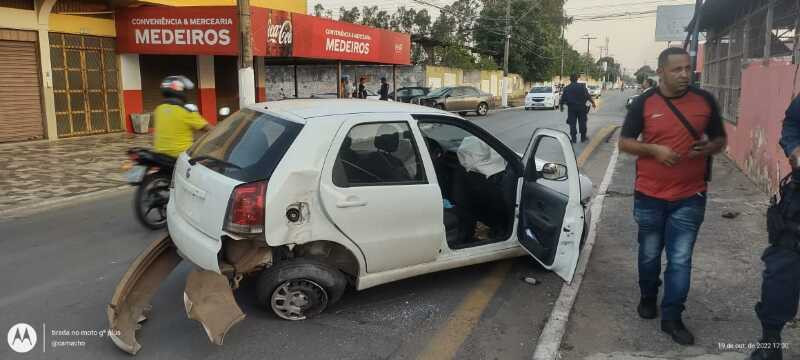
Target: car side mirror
x=224, y=111
x=553, y=171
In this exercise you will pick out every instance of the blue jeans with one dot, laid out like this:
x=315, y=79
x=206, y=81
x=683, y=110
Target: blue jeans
x=672, y=225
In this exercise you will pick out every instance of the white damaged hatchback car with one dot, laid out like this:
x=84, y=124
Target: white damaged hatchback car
x=312, y=196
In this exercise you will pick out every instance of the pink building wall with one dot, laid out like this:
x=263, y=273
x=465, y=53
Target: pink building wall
x=767, y=90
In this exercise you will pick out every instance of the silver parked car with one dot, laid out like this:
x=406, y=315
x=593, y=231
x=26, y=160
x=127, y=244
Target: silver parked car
x=460, y=99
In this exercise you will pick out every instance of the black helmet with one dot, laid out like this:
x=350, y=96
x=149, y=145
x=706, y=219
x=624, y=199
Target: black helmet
x=176, y=86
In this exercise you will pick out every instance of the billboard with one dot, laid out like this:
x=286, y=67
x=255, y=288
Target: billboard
x=191, y=30
x=320, y=38
x=213, y=30
x=672, y=20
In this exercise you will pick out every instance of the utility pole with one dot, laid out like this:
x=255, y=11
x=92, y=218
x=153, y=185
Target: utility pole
x=695, y=35
x=588, y=39
x=504, y=95
x=247, y=79
x=561, y=74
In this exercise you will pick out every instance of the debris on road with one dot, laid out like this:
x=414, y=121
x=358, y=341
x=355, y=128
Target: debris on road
x=531, y=280
x=729, y=214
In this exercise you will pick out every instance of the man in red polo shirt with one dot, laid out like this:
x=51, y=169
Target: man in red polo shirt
x=680, y=128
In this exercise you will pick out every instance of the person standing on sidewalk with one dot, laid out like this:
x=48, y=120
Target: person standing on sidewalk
x=576, y=95
x=362, y=88
x=780, y=287
x=384, y=92
x=672, y=171
x=348, y=88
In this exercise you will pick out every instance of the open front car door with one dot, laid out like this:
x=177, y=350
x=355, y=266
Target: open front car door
x=551, y=216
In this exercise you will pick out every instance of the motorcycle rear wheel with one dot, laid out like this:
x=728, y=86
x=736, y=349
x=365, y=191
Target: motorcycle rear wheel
x=150, y=201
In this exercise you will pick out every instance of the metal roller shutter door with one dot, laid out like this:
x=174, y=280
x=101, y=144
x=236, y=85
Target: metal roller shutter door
x=20, y=95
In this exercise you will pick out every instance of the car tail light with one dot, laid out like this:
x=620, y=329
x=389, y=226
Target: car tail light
x=246, y=209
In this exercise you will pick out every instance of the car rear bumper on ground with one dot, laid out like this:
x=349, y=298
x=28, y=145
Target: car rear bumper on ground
x=193, y=245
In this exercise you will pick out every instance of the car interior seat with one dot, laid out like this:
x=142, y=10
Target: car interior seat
x=383, y=162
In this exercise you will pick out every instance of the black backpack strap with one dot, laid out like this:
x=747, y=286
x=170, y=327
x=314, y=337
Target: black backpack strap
x=683, y=119
x=692, y=131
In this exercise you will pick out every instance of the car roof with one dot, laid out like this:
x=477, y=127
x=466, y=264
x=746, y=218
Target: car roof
x=305, y=109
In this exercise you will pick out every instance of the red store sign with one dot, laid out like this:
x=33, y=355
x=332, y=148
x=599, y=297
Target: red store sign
x=190, y=30
x=213, y=30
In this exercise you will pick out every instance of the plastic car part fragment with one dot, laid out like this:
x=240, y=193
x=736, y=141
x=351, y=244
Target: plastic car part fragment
x=131, y=299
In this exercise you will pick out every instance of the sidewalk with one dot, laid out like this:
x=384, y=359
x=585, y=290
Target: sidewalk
x=35, y=172
x=726, y=279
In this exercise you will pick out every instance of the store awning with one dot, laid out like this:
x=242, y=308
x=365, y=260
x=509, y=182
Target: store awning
x=213, y=30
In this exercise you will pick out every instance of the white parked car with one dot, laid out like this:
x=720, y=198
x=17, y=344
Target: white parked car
x=594, y=91
x=542, y=97
x=312, y=196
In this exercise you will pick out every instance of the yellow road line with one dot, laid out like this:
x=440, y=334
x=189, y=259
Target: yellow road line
x=448, y=339
x=598, y=138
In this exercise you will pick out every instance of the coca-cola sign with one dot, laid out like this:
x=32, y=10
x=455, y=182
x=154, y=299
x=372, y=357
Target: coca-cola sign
x=279, y=33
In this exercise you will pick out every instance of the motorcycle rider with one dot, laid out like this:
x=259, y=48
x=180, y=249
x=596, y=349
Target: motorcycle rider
x=175, y=120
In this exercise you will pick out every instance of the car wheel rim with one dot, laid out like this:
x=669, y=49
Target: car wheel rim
x=482, y=109
x=296, y=299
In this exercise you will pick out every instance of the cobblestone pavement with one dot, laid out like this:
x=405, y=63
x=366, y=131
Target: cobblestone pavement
x=32, y=172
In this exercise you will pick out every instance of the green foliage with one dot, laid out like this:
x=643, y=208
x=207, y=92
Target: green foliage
x=470, y=34
x=643, y=73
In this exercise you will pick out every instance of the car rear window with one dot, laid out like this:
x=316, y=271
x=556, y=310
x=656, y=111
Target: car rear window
x=251, y=143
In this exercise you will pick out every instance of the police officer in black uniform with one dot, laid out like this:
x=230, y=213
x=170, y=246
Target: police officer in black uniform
x=575, y=95
x=780, y=290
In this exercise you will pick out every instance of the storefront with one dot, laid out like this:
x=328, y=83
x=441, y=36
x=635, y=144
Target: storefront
x=202, y=43
x=85, y=84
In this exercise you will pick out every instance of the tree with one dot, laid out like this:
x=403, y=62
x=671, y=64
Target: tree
x=319, y=10
x=351, y=16
x=643, y=73
x=612, y=72
x=535, y=37
x=372, y=16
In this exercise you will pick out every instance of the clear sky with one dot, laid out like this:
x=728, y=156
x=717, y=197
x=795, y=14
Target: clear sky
x=631, y=38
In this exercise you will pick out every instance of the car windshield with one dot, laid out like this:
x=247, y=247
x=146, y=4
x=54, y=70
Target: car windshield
x=593, y=87
x=541, y=89
x=249, y=144
x=439, y=91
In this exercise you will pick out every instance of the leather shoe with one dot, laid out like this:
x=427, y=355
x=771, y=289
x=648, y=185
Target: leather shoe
x=680, y=334
x=648, y=308
x=584, y=139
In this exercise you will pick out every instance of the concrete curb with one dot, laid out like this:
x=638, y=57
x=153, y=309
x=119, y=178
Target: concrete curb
x=505, y=109
x=549, y=343
x=48, y=204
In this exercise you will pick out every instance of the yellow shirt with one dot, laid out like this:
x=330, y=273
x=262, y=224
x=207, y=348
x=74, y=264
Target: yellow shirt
x=174, y=129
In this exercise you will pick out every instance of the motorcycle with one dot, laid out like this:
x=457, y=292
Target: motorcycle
x=151, y=173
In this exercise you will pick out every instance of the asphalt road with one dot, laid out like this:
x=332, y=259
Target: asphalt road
x=60, y=268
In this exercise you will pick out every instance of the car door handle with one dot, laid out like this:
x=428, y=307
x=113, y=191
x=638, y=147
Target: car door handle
x=351, y=201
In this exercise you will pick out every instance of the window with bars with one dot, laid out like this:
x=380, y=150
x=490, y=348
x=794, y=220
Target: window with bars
x=784, y=29
x=85, y=86
x=723, y=68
